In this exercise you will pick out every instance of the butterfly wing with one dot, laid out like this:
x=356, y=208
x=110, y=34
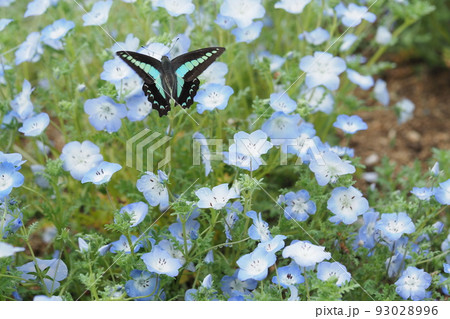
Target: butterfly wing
x=150, y=70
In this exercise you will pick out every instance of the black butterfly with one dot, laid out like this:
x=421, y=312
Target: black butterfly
x=166, y=79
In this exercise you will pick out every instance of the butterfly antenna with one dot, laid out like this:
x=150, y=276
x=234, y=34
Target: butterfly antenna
x=174, y=42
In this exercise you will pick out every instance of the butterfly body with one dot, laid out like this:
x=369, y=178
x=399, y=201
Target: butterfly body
x=171, y=79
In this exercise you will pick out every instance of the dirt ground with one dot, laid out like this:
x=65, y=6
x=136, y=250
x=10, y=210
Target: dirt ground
x=429, y=90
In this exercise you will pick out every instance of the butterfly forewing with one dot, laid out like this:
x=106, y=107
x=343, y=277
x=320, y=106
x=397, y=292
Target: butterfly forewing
x=190, y=65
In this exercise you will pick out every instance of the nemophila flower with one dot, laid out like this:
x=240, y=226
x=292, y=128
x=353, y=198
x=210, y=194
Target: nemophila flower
x=104, y=249
x=123, y=246
x=318, y=99
x=232, y=217
x=315, y=37
x=142, y=284
x=83, y=246
x=137, y=211
x=9, y=222
x=292, y=6
x=346, y=204
x=233, y=286
x=138, y=107
x=350, y=124
x=115, y=70
x=177, y=7
x=347, y=41
x=3, y=68
x=204, y=151
x=249, y=33
x=242, y=11
x=191, y=227
x=259, y=230
x=38, y=7
x=305, y=254
x=224, y=22
x=240, y=160
x=101, y=174
x=47, y=298
x=383, y=35
x=288, y=276
x=273, y=245
x=129, y=86
x=380, y=92
x=9, y=178
x=254, y=144
x=276, y=61
x=53, y=33
x=55, y=270
x=170, y=248
x=6, y=3
x=159, y=261
x=393, y=226
x=7, y=250
x=298, y=205
x=98, y=14
x=281, y=102
x=281, y=126
x=105, y=114
x=365, y=82
x=423, y=193
x=435, y=169
x=395, y=265
x=78, y=158
x=21, y=104
x=322, y=69
x=30, y=50
x=215, y=73
x=413, y=284
x=155, y=50
x=326, y=270
x=341, y=151
x=256, y=264
x=4, y=23
x=154, y=189
x=353, y=14
x=212, y=96
x=405, y=109
x=366, y=234
x=442, y=193
x=180, y=44
x=131, y=44
x=35, y=125
x=13, y=158
x=328, y=167
x=209, y=258
x=191, y=294
x=217, y=197
x=294, y=293
x=300, y=146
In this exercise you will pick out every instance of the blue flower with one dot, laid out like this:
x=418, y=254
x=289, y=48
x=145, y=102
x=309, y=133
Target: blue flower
x=380, y=92
x=122, y=245
x=328, y=167
x=318, y=99
x=347, y=42
x=232, y=217
x=155, y=192
x=38, y=7
x=249, y=33
x=305, y=254
x=366, y=234
x=394, y=225
x=350, y=124
x=9, y=178
x=288, y=276
x=98, y=14
x=205, y=289
x=224, y=22
x=55, y=270
x=259, y=230
x=243, y=161
x=353, y=14
x=298, y=205
x=212, y=96
x=47, y=298
x=209, y=258
x=365, y=82
x=131, y=44
x=159, y=261
x=13, y=158
x=423, y=193
x=137, y=211
x=7, y=250
x=101, y=174
x=53, y=33
x=138, y=107
x=322, y=69
x=276, y=61
x=35, y=125
x=442, y=193
x=413, y=284
x=292, y=6
x=242, y=11
x=78, y=158
x=315, y=37
x=273, y=245
x=233, y=286
x=346, y=204
x=256, y=264
x=204, y=151
x=191, y=227
x=326, y=270
x=282, y=126
x=215, y=73
x=142, y=284
x=105, y=114
x=281, y=102
x=176, y=8
x=10, y=221
x=21, y=104
x=6, y=3
x=30, y=50
x=383, y=35
x=129, y=86
x=4, y=23
x=215, y=198
x=300, y=146
x=405, y=109
x=115, y=70
x=180, y=44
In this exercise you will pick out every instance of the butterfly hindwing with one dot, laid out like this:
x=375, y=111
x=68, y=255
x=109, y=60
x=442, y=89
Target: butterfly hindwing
x=190, y=65
x=186, y=98
x=159, y=103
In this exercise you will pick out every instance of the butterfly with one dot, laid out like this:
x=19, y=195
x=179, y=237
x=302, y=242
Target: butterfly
x=167, y=79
